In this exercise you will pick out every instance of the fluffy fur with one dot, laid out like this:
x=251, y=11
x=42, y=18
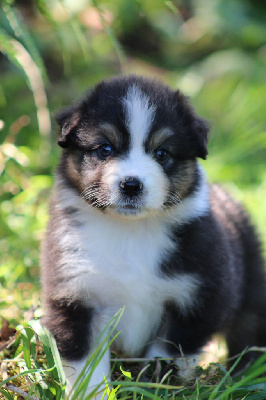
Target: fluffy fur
x=134, y=224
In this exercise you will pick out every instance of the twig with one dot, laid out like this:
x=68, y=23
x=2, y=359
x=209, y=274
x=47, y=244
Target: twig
x=7, y=344
x=4, y=370
x=20, y=392
x=252, y=348
x=257, y=348
x=138, y=360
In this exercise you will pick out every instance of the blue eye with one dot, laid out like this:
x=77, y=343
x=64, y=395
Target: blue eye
x=105, y=150
x=162, y=155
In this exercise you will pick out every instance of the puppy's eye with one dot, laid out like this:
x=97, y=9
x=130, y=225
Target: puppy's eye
x=105, y=150
x=162, y=155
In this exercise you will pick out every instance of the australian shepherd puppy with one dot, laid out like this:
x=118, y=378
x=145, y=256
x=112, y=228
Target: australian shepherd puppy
x=134, y=224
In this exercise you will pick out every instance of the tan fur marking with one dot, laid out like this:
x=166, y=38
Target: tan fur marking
x=111, y=133
x=157, y=139
x=73, y=173
x=185, y=177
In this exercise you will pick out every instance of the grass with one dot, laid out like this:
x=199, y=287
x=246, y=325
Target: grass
x=31, y=368
x=221, y=67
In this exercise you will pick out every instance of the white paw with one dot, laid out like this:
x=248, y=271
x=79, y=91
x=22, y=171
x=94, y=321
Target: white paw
x=76, y=372
x=186, y=366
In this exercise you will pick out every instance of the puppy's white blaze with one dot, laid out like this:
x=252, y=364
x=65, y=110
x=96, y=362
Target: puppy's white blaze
x=139, y=114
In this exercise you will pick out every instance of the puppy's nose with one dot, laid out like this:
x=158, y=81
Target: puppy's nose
x=131, y=186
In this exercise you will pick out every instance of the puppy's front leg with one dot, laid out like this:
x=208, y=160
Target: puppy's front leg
x=186, y=363
x=76, y=328
x=77, y=371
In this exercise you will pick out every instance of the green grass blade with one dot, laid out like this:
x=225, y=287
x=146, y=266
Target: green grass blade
x=108, y=30
x=23, y=35
x=18, y=54
x=7, y=48
x=7, y=395
x=225, y=378
x=44, y=10
x=51, y=350
x=77, y=29
x=26, y=336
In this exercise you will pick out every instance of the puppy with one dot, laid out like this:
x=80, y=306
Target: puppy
x=134, y=224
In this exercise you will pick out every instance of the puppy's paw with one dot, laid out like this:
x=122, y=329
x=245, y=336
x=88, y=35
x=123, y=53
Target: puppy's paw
x=187, y=366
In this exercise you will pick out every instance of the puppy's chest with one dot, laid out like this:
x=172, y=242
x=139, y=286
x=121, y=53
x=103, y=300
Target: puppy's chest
x=118, y=263
x=112, y=265
x=128, y=254
x=118, y=266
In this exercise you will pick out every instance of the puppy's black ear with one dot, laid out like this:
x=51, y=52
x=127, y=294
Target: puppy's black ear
x=195, y=127
x=201, y=129
x=67, y=120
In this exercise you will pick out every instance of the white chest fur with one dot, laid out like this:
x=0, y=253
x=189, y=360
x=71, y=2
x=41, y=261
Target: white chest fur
x=112, y=263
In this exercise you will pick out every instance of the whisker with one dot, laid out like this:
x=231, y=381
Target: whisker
x=94, y=197
x=173, y=198
x=89, y=188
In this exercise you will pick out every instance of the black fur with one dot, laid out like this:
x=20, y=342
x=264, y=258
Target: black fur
x=70, y=324
x=225, y=251
x=101, y=105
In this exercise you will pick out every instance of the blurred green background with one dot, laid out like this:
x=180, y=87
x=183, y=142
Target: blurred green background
x=52, y=51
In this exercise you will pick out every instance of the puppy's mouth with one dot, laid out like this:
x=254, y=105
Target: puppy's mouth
x=127, y=208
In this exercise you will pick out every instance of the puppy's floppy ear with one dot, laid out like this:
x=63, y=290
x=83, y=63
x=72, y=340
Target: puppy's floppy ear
x=196, y=127
x=67, y=120
x=201, y=129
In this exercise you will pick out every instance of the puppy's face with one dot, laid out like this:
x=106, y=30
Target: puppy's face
x=130, y=147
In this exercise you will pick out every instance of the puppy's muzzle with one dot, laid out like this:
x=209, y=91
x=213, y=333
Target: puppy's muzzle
x=131, y=186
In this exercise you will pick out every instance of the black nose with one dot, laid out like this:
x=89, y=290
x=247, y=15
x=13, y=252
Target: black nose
x=131, y=186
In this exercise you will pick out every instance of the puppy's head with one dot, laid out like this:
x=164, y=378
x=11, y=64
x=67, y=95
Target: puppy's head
x=130, y=147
